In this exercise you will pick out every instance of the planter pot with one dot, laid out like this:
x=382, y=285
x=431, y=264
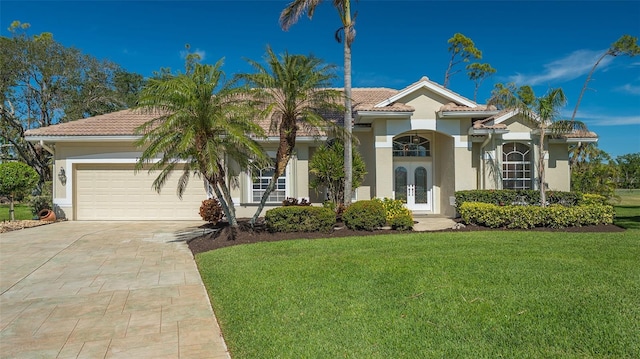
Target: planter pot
x=47, y=215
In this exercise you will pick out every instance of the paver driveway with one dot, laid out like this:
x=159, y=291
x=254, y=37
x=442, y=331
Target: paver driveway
x=104, y=290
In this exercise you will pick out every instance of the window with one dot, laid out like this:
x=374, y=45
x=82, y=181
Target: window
x=516, y=166
x=411, y=146
x=261, y=178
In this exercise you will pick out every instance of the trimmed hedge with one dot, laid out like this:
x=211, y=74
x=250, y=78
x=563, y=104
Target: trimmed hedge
x=525, y=217
x=517, y=197
x=398, y=216
x=300, y=219
x=365, y=215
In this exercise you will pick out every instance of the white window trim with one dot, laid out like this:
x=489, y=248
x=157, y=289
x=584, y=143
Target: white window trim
x=287, y=185
x=529, y=180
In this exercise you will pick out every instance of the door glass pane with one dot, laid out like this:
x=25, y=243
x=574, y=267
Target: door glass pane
x=420, y=176
x=401, y=183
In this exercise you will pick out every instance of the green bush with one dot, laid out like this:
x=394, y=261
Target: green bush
x=365, y=215
x=517, y=197
x=588, y=199
x=300, y=219
x=525, y=217
x=44, y=200
x=397, y=215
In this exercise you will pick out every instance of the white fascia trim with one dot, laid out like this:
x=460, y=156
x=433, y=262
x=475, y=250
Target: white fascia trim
x=445, y=93
x=454, y=114
x=127, y=138
x=487, y=131
x=573, y=140
x=384, y=113
x=506, y=116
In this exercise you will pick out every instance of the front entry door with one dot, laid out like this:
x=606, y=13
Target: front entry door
x=412, y=185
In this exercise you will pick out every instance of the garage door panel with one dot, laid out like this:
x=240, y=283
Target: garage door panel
x=115, y=192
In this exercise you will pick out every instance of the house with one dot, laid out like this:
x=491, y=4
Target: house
x=420, y=144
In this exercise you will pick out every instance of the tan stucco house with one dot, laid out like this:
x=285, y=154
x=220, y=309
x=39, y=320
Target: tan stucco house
x=420, y=144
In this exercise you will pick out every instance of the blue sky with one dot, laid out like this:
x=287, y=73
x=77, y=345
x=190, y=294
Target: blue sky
x=545, y=44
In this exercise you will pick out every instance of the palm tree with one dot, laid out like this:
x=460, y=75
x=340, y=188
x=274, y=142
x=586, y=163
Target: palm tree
x=291, y=91
x=290, y=16
x=201, y=124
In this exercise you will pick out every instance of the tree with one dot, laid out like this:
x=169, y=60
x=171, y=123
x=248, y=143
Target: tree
x=345, y=35
x=594, y=173
x=541, y=111
x=625, y=45
x=45, y=83
x=462, y=49
x=629, y=170
x=292, y=91
x=478, y=73
x=16, y=179
x=202, y=123
x=327, y=166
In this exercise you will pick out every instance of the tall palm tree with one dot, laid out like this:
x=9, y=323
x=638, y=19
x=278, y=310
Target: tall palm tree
x=290, y=16
x=293, y=92
x=201, y=124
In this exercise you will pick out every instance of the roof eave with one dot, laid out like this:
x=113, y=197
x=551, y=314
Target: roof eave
x=455, y=114
x=82, y=138
x=443, y=92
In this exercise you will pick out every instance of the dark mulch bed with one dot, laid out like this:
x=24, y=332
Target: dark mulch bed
x=224, y=236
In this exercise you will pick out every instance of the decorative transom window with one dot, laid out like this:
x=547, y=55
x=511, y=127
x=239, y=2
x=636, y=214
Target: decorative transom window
x=411, y=146
x=261, y=178
x=516, y=166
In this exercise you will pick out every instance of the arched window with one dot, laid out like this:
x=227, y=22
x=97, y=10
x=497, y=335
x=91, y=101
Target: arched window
x=411, y=146
x=516, y=166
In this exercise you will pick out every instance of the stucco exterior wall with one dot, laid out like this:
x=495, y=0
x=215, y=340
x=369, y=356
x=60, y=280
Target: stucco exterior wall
x=558, y=174
x=425, y=102
x=444, y=172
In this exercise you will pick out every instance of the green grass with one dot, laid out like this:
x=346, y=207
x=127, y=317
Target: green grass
x=22, y=211
x=423, y=295
x=628, y=209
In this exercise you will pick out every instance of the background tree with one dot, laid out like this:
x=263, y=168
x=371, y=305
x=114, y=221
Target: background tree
x=44, y=83
x=625, y=45
x=16, y=179
x=462, y=49
x=477, y=73
x=202, y=123
x=594, y=173
x=629, y=170
x=345, y=35
x=327, y=167
x=293, y=92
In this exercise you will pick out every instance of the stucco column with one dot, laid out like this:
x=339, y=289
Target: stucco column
x=384, y=166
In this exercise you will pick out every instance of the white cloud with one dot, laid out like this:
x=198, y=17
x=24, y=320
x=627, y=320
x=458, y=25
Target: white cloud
x=201, y=53
x=576, y=64
x=629, y=89
x=595, y=119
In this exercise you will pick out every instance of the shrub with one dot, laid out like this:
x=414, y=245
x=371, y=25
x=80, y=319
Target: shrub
x=290, y=201
x=300, y=219
x=211, y=211
x=588, y=199
x=397, y=215
x=507, y=197
x=42, y=201
x=524, y=217
x=366, y=215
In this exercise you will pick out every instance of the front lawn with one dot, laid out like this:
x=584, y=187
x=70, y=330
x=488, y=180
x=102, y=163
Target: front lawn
x=628, y=209
x=468, y=295
x=22, y=211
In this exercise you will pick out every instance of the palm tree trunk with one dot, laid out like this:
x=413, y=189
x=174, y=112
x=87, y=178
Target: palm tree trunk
x=541, y=166
x=263, y=201
x=348, y=120
x=586, y=82
x=225, y=206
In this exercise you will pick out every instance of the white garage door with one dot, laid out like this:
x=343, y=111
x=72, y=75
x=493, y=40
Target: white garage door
x=114, y=192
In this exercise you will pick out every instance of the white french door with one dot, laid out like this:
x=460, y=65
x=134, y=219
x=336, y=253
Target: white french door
x=412, y=183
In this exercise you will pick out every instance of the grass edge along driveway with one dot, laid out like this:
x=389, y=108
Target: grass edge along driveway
x=473, y=294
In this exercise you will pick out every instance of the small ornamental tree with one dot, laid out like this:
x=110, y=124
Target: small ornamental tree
x=16, y=178
x=327, y=166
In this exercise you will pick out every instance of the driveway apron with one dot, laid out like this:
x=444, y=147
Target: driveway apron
x=104, y=290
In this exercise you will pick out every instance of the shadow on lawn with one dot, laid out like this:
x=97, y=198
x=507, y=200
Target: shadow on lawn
x=628, y=222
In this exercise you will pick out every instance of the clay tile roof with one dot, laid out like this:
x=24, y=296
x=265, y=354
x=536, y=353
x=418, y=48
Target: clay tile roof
x=581, y=134
x=120, y=123
x=364, y=99
x=454, y=107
